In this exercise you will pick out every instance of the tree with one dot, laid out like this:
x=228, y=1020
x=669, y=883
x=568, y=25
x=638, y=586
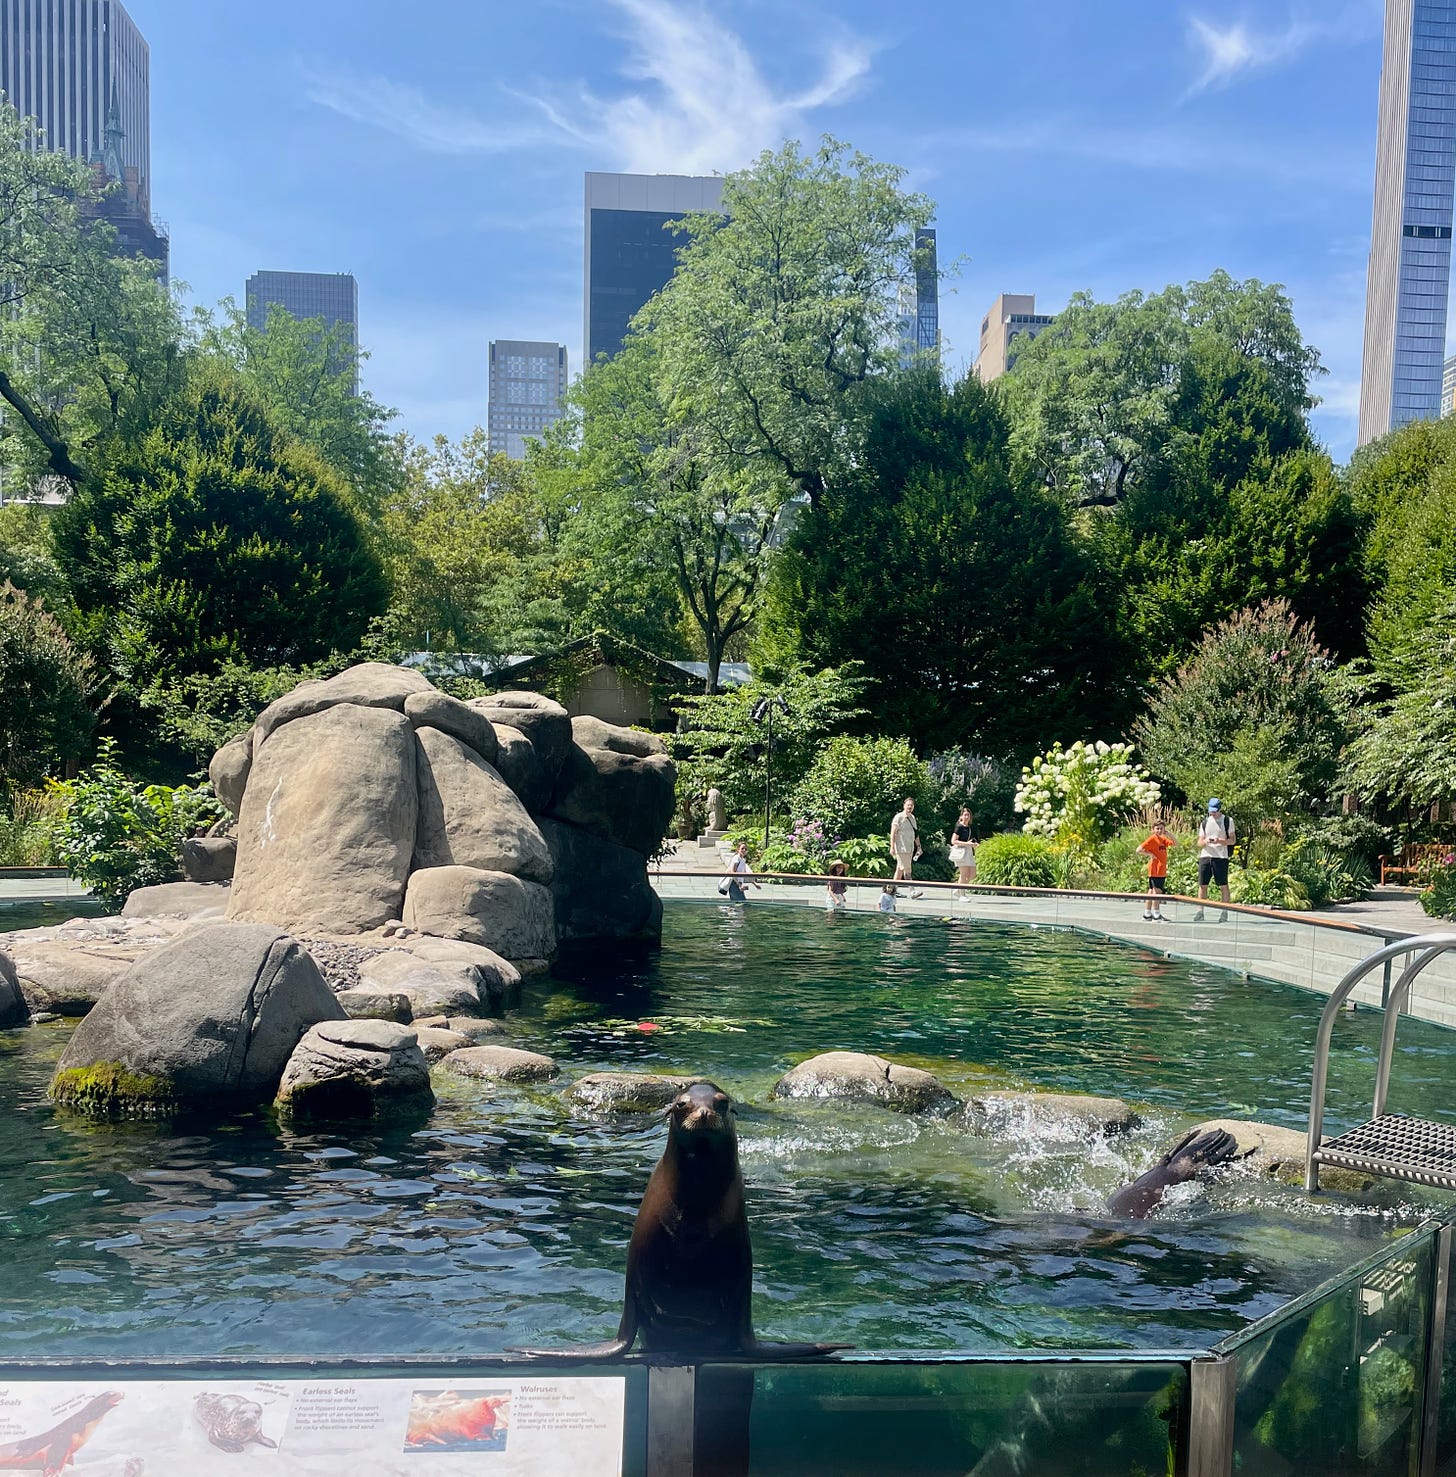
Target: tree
x=215, y=537
x=48, y=715
x=978, y=613
x=784, y=303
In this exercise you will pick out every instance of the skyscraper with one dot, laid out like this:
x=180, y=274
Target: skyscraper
x=527, y=381
x=629, y=254
x=920, y=303
x=332, y=296
x=1013, y=315
x=1410, y=238
x=81, y=69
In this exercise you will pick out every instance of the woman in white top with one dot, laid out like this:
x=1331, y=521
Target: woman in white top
x=741, y=869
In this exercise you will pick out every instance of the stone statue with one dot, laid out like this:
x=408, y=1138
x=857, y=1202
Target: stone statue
x=717, y=815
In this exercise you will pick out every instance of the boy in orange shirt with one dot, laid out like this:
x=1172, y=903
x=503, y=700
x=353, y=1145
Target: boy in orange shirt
x=1157, y=846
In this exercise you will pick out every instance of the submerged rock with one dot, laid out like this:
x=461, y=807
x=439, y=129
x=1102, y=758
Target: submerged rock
x=353, y=1069
x=501, y=1063
x=999, y=1110
x=437, y=1042
x=472, y=1028
x=626, y=1092
x=856, y=1075
x=1279, y=1153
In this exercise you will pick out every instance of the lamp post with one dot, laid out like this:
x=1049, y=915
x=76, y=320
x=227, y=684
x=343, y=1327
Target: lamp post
x=763, y=711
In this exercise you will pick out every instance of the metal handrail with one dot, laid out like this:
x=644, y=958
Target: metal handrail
x=1429, y=946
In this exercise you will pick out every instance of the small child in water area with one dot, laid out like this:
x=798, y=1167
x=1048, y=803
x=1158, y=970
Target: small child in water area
x=887, y=898
x=835, y=890
x=1157, y=847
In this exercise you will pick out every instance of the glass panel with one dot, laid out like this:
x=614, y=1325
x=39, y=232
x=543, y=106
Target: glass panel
x=1337, y=1385
x=943, y=1420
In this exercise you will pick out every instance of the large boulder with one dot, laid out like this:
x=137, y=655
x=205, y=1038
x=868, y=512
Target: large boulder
x=229, y=771
x=364, y=1004
x=545, y=722
x=513, y=917
x=1271, y=1150
x=13, y=1009
x=626, y=1092
x=209, y=858
x=197, y=901
x=599, y=889
x=497, y=980
x=208, y=1021
x=430, y=989
x=368, y=685
x=1071, y=1114
x=468, y=815
x=459, y=720
x=856, y=1075
x=354, y=1069
x=65, y=978
x=519, y=767
x=616, y=783
x=500, y=1064
x=327, y=827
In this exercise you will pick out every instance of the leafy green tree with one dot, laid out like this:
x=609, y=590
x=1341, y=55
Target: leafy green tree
x=48, y=714
x=1254, y=716
x=215, y=537
x=28, y=556
x=979, y=614
x=783, y=304
x=856, y=785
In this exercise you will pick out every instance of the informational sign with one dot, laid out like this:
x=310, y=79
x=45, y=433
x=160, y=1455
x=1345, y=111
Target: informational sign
x=303, y=1428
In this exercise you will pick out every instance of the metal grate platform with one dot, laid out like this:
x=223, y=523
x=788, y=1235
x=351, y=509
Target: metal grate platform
x=1396, y=1147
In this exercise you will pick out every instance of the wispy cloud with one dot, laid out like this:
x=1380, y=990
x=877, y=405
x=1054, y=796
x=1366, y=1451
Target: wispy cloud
x=1226, y=51
x=696, y=99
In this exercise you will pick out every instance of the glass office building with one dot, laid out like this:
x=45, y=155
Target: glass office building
x=332, y=296
x=630, y=254
x=919, y=303
x=527, y=381
x=1410, y=241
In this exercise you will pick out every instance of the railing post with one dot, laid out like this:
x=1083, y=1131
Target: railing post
x=671, y=1399
x=1435, y=1352
x=1212, y=1386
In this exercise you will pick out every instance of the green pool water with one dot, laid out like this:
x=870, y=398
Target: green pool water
x=498, y=1219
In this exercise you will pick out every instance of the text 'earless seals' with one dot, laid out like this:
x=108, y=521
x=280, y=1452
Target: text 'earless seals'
x=690, y=1267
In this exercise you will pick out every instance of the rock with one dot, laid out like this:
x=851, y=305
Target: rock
x=208, y=1021
x=198, y=901
x=368, y=685
x=1279, y=1153
x=13, y=1009
x=439, y=710
x=472, y=1028
x=328, y=822
x=520, y=769
x=437, y=1042
x=853, y=1074
x=544, y=722
x=340, y=963
x=1080, y=1115
x=511, y=916
x=432, y=988
x=500, y=1063
x=229, y=771
x=625, y=1092
x=498, y=980
x=69, y=978
x=209, y=858
x=599, y=889
x=376, y=1005
x=354, y=1069
x=617, y=784
x=469, y=816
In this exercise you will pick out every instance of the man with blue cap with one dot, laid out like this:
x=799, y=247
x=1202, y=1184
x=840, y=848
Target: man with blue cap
x=1216, y=838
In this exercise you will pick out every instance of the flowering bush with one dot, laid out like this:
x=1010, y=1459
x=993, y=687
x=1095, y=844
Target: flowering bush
x=1439, y=899
x=1078, y=797
x=808, y=837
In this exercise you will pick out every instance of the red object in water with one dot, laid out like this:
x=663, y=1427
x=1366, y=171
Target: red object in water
x=648, y=1026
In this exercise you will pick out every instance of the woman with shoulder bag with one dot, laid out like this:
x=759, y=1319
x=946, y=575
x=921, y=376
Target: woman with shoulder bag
x=963, y=849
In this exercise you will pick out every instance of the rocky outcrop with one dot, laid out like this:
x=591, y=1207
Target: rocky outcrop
x=599, y=890
x=13, y=1009
x=519, y=768
x=209, y=858
x=459, y=720
x=229, y=771
x=327, y=827
x=368, y=685
x=68, y=977
x=354, y=1069
x=428, y=989
x=625, y=1092
x=855, y=1075
x=208, y=1021
x=546, y=724
x=1077, y=1115
x=196, y=901
x=504, y=913
x=617, y=784
x=500, y=1064
x=468, y=815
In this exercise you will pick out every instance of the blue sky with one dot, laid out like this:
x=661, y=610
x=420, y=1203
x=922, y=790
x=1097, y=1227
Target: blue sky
x=436, y=149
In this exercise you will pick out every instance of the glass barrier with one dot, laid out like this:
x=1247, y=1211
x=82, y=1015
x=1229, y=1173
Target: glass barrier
x=1335, y=1383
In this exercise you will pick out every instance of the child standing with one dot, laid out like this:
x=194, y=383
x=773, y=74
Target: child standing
x=887, y=898
x=835, y=890
x=1157, y=846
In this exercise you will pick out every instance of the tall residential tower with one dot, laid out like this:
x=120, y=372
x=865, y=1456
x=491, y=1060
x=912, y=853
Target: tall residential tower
x=527, y=381
x=332, y=296
x=630, y=255
x=1410, y=239
x=1012, y=316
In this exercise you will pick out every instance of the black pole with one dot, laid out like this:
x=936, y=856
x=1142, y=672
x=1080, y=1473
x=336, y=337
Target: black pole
x=768, y=778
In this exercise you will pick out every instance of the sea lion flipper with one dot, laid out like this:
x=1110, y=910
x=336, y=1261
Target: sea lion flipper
x=613, y=1349
x=769, y=1349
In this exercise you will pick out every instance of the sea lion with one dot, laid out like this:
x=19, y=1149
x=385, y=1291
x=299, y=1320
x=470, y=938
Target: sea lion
x=689, y=1266
x=54, y=1450
x=231, y=1421
x=1193, y=1154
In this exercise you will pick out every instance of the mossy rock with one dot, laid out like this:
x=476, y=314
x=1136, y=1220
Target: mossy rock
x=110, y=1090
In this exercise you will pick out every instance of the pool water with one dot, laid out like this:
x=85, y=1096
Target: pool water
x=497, y=1219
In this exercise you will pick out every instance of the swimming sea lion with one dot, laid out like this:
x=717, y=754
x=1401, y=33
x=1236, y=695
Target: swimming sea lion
x=1193, y=1154
x=689, y=1267
x=53, y=1451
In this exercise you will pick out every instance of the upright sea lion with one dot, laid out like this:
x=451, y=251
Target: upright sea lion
x=689, y=1266
x=1193, y=1154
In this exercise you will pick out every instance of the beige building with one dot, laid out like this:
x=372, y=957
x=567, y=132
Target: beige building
x=1012, y=316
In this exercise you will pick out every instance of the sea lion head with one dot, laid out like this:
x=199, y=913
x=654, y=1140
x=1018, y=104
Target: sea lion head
x=700, y=1120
